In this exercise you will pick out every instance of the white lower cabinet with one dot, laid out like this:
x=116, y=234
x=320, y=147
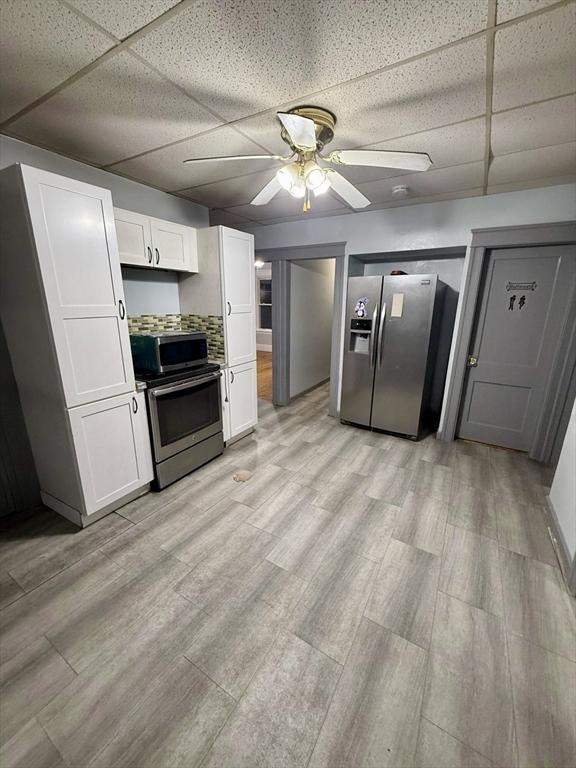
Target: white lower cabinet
x=225, y=405
x=112, y=448
x=242, y=398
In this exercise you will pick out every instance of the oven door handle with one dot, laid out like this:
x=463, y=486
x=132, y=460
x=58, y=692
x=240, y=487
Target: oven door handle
x=187, y=385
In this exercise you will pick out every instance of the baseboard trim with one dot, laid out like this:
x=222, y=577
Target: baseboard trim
x=567, y=565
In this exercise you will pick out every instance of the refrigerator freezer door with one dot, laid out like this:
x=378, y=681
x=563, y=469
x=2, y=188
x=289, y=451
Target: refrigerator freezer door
x=360, y=347
x=403, y=345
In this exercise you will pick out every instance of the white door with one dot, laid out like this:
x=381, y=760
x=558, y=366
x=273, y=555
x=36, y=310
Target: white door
x=174, y=246
x=242, y=394
x=134, y=238
x=112, y=448
x=73, y=225
x=239, y=296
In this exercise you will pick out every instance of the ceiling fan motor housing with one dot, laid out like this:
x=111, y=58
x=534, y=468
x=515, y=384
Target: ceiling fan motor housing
x=324, y=123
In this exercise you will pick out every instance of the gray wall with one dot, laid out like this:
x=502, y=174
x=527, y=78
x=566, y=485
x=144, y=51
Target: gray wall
x=18, y=484
x=150, y=292
x=449, y=270
x=311, y=306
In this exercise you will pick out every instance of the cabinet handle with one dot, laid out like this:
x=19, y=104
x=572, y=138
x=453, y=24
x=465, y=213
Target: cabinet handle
x=231, y=377
x=157, y=256
x=121, y=310
x=150, y=257
x=134, y=405
x=229, y=308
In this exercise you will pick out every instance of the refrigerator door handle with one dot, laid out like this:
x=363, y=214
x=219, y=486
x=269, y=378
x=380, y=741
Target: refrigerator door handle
x=381, y=334
x=372, y=342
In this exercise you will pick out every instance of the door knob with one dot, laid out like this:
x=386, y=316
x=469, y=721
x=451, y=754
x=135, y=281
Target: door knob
x=472, y=361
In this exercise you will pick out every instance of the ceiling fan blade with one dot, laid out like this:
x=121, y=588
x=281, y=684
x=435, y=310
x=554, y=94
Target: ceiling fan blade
x=301, y=130
x=267, y=193
x=381, y=158
x=346, y=190
x=235, y=157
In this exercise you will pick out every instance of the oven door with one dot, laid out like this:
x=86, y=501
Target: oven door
x=184, y=413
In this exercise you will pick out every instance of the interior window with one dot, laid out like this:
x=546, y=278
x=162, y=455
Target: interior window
x=265, y=303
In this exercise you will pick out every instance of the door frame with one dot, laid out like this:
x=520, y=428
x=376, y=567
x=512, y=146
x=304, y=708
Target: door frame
x=281, y=259
x=562, y=387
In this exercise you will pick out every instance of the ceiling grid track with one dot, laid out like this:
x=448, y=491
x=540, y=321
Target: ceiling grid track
x=490, y=35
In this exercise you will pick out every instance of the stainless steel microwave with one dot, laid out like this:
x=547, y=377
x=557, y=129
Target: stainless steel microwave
x=168, y=351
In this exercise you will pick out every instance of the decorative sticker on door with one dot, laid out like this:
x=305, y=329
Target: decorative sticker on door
x=361, y=308
x=521, y=302
x=511, y=303
x=521, y=286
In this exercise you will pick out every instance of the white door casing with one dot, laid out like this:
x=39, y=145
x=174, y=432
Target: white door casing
x=73, y=225
x=112, y=448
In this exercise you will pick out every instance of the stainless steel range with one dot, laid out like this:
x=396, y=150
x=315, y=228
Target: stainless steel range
x=185, y=417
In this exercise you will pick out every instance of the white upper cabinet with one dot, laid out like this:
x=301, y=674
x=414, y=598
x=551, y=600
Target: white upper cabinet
x=134, y=238
x=147, y=242
x=237, y=259
x=174, y=246
x=112, y=449
x=73, y=227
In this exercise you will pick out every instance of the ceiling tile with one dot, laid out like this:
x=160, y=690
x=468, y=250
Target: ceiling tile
x=445, y=180
x=42, y=43
x=539, y=125
x=119, y=109
x=451, y=145
x=534, y=59
x=237, y=191
x=394, y=103
x=228, y=219
x=439, y=89
x=164, y=167
x=533, y=164
x=511, y=9
x=123, y=18
x=283, y=205
x=240, y=58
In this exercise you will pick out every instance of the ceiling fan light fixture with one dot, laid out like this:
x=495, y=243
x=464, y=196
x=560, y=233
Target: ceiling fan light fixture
x=287, y=176
x=323, y=187
x=298, y=189
x=314, y=175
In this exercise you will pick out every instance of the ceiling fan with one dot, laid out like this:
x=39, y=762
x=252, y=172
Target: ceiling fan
x=307, y=130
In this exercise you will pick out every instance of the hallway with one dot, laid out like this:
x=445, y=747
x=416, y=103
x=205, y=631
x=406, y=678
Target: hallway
x=264, y=373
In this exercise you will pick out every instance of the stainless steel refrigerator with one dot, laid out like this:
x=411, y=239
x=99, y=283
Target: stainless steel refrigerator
x=391, y=339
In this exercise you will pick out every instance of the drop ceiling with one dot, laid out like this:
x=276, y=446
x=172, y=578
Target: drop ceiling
x=486, y=87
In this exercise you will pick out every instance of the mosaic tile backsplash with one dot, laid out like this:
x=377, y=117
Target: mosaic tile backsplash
x=212, y=325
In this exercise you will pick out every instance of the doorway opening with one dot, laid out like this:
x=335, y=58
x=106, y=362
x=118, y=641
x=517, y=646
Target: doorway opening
x=264, y=330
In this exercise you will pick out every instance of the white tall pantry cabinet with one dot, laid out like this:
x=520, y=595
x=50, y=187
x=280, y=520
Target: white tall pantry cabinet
x=225, y=286
x=64, y=317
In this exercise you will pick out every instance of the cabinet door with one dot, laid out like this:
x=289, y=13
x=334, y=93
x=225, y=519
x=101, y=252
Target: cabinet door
x=242, y=394
x=174, y=246
x=237, y=249
x=224, y=389
x=73, y=225
x=134, y=238
x=112, y=448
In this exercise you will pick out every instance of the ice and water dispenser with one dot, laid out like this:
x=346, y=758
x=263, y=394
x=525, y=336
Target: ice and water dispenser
x=360, y=335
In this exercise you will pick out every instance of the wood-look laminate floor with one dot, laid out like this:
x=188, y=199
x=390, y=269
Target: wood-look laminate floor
x=360, y=602
x=264, y=373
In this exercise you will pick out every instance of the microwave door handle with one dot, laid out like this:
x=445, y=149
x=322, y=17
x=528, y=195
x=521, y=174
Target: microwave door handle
x=187, y=385
x=381, y=335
